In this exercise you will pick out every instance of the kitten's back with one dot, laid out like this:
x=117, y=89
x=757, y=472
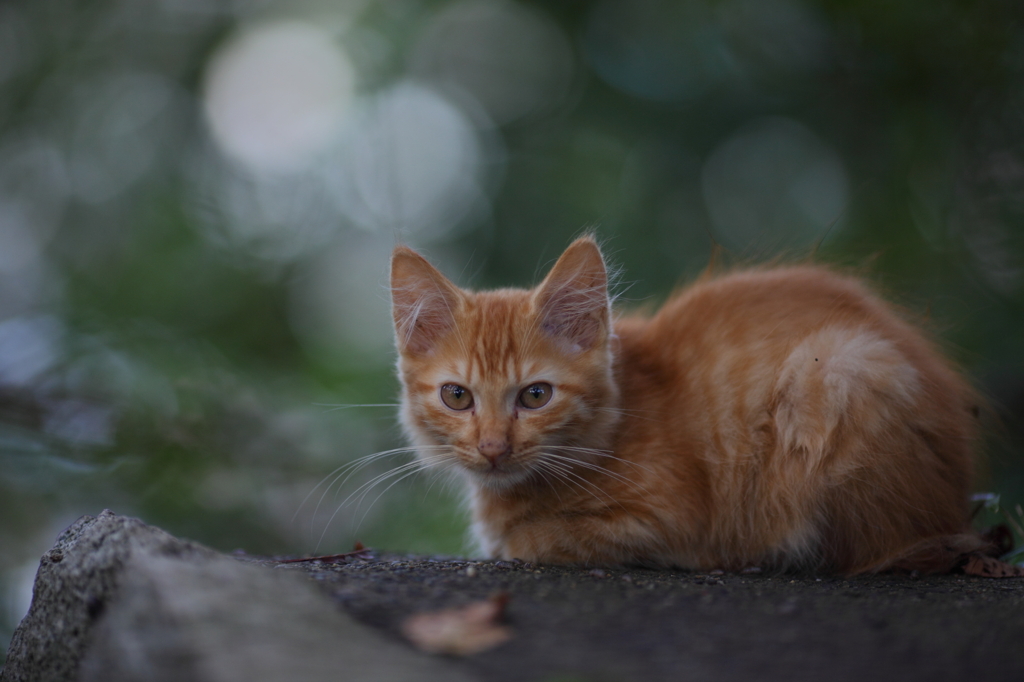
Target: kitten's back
x=799, y=417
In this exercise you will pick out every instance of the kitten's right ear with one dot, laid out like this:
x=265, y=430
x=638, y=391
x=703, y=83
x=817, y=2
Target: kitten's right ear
x=423, y=301
x=573, y=299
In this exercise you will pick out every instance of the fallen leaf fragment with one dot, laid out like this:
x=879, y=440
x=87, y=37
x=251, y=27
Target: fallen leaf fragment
x=460, y=632
x=990, y=567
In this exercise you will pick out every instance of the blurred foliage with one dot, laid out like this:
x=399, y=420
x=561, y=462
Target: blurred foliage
x=197, y=200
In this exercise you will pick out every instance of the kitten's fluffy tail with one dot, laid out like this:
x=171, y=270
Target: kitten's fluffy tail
x=971, y=553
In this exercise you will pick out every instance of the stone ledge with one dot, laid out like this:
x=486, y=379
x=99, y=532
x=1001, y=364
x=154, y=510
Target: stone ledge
x=117, y=600
x=126, y=601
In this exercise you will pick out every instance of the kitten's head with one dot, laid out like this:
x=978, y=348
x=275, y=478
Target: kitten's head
x=506, y=381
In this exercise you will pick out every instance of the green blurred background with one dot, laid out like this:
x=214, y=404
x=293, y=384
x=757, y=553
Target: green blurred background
x=198, y=198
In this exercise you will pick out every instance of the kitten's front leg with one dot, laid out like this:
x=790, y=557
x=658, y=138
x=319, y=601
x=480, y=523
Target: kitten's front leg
x=597, y=539
x=484, y=542
x=542, y=542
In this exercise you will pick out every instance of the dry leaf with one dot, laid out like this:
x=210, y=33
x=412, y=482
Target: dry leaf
x=460, y=632
x=989, y=567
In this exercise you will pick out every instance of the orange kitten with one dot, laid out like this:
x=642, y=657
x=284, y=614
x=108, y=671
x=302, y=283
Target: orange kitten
x=783, y=417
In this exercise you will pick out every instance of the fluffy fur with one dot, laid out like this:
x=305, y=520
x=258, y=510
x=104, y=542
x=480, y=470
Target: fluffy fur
x=780, y=417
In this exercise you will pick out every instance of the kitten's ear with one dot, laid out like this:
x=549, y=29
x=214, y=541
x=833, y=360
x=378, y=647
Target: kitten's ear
x=423, y=301
x=573, y=299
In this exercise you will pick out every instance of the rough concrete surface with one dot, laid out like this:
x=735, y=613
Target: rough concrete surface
x=74, y=584
x=171, y=615
x=126, y=601
x=575, y=624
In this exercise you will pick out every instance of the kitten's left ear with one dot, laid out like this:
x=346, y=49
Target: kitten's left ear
x=573, y=299
x=423, y=301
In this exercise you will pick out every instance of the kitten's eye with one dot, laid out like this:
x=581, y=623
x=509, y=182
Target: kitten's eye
x=536, y=396
x=456, y=397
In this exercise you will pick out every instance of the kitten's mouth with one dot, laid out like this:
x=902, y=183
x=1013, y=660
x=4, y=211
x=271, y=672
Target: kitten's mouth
x=499, y=474
x=492, y=468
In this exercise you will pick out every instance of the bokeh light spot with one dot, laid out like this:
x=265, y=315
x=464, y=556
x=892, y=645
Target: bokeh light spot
x=773, y=184
x=414, y=163
x=276, y=95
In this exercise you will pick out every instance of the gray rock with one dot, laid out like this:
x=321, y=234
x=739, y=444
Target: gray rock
x=129, y=602
x=117, y=600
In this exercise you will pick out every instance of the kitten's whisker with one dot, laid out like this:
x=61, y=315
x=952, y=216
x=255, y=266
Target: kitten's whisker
x=559, y=471
x=569, y=463
x=393, y=484
x=315, y=488
x=582, y=482
x=625, y=410
x=632, y=414
x=579, y=449
x=410, y=472
x=417, y=449
x=601, y=453
x=544, y=468
x=433, y=482
x=566, y=469
x=560, y=480
x=436, y=475
x=622, y=479
x=565, y=474
x=380, y=478
x=353, y=466
x=452, y=480
x=595, y=454
x=373, y=481
x=600, y=469
x=407, y=468
x=342, y=468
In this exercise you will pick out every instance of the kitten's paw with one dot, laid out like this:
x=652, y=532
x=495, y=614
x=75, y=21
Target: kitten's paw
x=990, y=567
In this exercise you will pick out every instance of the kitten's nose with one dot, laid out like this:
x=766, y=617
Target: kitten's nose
x=494, y=450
